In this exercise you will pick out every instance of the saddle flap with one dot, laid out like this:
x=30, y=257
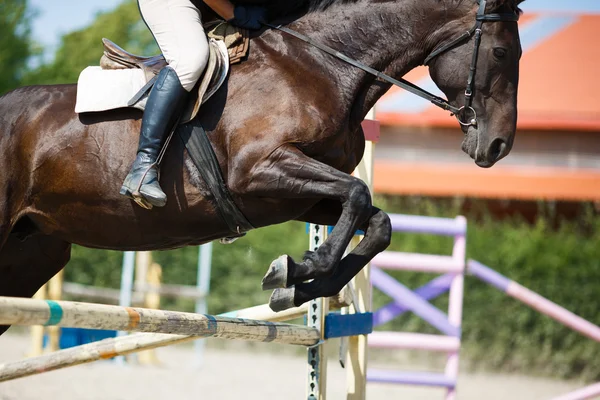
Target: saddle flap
x=227, y=45
x=214, y=76
x=236, y=40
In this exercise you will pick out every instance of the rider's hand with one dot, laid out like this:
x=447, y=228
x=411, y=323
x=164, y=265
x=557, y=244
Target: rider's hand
x=249, y=17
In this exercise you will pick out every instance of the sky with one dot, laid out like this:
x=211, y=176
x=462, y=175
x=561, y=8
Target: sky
x=57, y=17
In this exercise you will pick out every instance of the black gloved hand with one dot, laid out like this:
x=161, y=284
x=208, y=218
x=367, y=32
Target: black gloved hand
x=249, y=17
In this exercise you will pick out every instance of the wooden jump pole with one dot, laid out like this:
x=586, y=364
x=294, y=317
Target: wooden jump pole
x=354, y=348
x=357, y=354
x=125, y=345
x=151, y=273
x=19, y=311
x=37, y=332
x=317, y=312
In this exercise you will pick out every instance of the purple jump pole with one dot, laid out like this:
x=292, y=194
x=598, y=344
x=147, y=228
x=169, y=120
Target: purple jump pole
x=534, y=300
x=589, y=392
x=431, y=225
x=430, y=291
x=401, y=294
x=417, y=262
x=455, y=305
x=414, y=341
x=411, y=378
x=406, y=300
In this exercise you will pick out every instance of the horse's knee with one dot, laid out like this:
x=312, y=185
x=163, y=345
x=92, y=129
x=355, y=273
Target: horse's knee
x=380, y=227
x=359, y=198
x=322, y=268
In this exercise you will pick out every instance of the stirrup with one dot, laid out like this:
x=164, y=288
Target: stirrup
x=136, y=195
x=141, y=201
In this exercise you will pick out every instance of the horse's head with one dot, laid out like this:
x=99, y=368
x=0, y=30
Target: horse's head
x=489, y=114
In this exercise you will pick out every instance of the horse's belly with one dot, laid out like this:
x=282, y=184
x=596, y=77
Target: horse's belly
x=131, y=227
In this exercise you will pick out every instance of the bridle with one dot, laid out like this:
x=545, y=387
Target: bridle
x=458, y=112
x=475, y=30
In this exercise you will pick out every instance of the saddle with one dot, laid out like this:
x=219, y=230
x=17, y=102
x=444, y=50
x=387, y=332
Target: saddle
x=228, y=45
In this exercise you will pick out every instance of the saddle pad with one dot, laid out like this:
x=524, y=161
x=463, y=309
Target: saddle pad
x=102, y=90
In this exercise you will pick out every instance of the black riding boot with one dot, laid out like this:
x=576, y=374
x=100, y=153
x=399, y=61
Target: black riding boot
x=162, y=111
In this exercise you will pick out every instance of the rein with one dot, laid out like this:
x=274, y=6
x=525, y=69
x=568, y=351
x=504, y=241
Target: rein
x=404, y=84
x=412, y=88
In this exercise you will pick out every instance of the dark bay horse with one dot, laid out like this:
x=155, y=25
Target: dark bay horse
x=286, y=128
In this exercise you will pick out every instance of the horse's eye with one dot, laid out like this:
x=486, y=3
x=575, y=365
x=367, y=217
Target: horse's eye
x=499, y=52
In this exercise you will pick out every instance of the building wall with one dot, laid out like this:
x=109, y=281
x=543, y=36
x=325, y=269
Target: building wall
x=543, y=165
x=572, y=150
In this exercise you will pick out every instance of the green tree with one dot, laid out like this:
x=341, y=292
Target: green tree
x=15, y=41
x=82, y=48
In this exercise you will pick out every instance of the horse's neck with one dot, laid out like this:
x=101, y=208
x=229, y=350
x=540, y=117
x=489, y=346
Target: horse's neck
x=394, y=37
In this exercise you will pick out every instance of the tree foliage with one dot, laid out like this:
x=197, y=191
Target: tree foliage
x=82, y=48
x=15, y=42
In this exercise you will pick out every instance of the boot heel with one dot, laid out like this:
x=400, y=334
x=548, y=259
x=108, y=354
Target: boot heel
x=142, y=202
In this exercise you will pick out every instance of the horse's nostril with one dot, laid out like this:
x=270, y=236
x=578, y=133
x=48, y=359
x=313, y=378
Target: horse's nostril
x=496, y=149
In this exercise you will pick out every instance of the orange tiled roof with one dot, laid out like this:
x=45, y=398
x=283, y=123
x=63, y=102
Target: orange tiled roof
x=559, y=81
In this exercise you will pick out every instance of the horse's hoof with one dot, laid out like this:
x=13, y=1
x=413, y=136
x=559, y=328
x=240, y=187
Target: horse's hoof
x=282, y=299
x=276, y=276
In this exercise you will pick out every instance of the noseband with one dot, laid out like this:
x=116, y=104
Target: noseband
x=476, y=30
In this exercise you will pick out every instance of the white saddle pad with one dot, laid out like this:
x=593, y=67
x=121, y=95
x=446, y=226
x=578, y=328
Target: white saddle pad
x=102, y=90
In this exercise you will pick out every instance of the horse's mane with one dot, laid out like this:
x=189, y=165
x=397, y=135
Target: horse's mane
x=283, y=8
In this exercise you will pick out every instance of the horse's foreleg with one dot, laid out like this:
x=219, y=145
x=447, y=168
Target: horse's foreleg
x=25, y=266
x=378, y=233
x=291, y=174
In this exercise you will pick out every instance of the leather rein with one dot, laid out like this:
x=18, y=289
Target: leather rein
x=458, y=112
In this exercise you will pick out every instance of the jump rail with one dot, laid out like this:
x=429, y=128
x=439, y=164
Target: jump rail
x=589, y=392
x=18, y=311
x=546, y=307
x=415, y=301
x=534, y=300
x=124, y=345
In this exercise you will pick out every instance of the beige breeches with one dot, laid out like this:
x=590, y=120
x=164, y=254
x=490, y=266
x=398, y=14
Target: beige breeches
x=177, y=28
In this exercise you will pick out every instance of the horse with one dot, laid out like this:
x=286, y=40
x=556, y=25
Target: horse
x=285, y=128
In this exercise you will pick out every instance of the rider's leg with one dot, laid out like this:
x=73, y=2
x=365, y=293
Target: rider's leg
x=177, y=28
